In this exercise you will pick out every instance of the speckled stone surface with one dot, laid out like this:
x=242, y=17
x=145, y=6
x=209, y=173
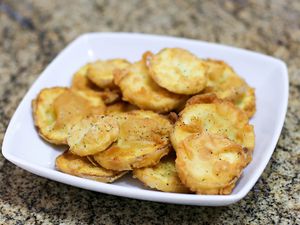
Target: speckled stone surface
x=27, y=46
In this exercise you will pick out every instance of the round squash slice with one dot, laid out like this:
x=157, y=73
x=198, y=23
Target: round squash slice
x=178, y=71
x=218, y=117
x=209, y=163
x=139, y=89
x=82, y=167
x=143, y=140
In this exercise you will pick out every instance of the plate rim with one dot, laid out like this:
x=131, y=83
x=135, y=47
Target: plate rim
x=157, y=196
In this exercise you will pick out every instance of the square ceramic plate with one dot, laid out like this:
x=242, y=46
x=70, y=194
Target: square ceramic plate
x=23, y=147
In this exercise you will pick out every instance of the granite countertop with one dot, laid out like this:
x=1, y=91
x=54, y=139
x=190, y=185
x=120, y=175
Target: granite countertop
x=30, y=42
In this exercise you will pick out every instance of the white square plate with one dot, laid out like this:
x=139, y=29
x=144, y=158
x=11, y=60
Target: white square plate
x=23, y=147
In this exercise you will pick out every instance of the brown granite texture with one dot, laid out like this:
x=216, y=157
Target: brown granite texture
x=28, y=44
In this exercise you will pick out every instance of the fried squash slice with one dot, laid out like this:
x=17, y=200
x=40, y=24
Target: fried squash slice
x=227, y=85
x=217, y=117
x=209, y=163
x=178, y=71
x=81, y=82
x=162, y=177
x=143, y=140
x=101, y=72
x=119, y=107
x=82, y=167
x=92, y=135
x=44, y=115
x=110, y=96
x=93, y=98
x=57, y=109
x=139, y=89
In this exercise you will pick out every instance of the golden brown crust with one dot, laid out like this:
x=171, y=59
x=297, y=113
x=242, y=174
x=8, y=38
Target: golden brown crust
x=107, y=136
x=162, y=176
x=92, y=135
x=110, y=96
x=82, y=167
x=71, y=106
x=91, y=159
x=94, y=99
x=120, y=107
x=226, y=84
x=101, y=72
x=139, y=89
x=45, y=117
x=173, y=117
x=221, y=118
x=81, y=82
x=146, y=57
x=247, y=101
x=210, y=164
x=203, y=98
x=143, y=140
x=57, y=109
x=178, y=71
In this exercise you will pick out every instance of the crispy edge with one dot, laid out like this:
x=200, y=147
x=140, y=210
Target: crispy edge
x=81, y=82
x=62, y=161
x=182, y=164
x=203, y=99
x=119, y=164
x=250, y=108
x=153, y=177
x=38, y=120
x=110, y=96
x=236, y=97
x=120, y=107
x=92, y=160
x=105, y=82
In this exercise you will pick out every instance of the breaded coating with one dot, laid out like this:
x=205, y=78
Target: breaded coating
x=222, y=118
x=139, y=89
x=101, y=72
x=92, y=160
x=57, y=109
x=178, y=71
x=143, y=140
x=81, y=167
x=226, y=84
x=92, y=135
x=162, y=176
x=71, y=106
x=203, y=99
x=110, y=96
x=209, y=163
x=45, y=117
x=80, y=81
x=178, y=122
x=120, y=107
x=93, y=98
